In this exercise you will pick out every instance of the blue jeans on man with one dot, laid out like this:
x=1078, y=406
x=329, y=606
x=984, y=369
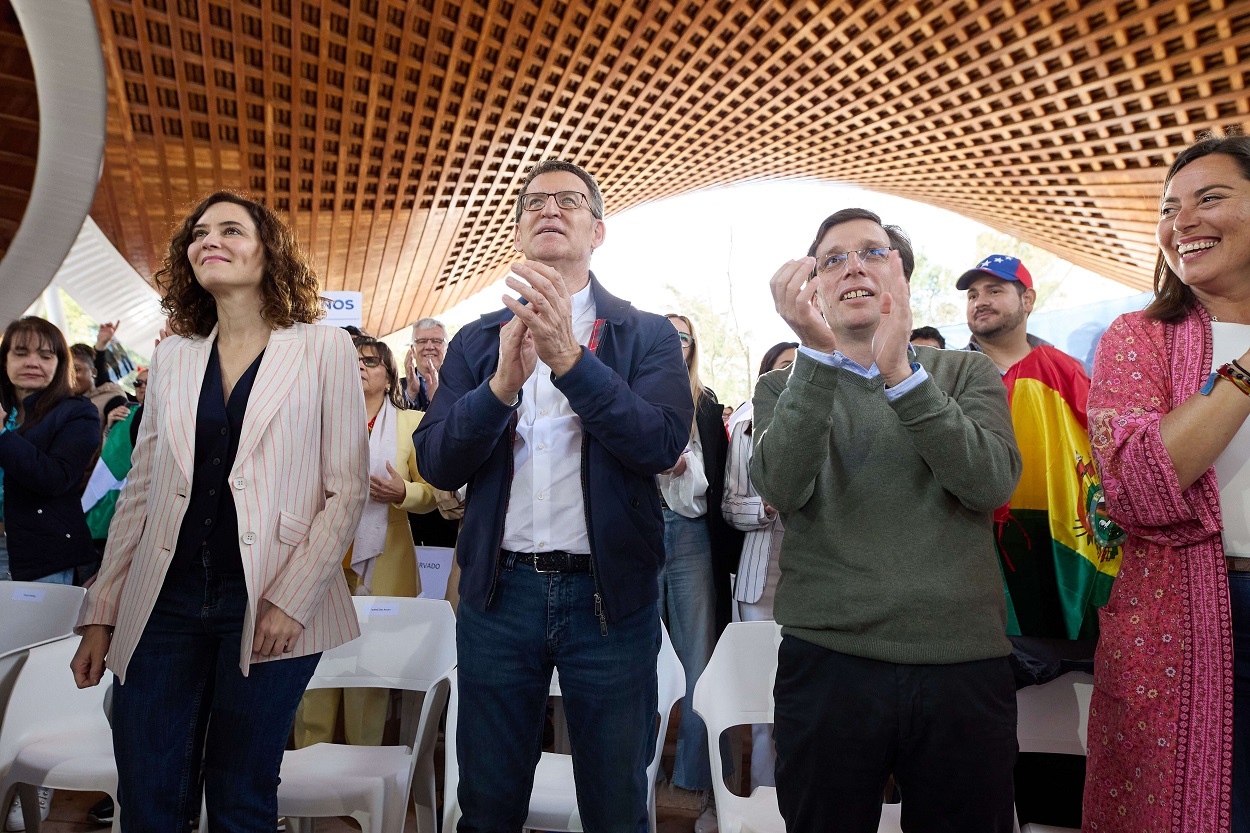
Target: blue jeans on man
x=537, y=622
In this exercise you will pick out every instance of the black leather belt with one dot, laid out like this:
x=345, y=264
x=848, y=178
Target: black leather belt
x=556, y=561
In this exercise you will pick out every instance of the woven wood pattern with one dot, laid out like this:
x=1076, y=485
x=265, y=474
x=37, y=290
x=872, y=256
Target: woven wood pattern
x=396, y=134
x=19, y=125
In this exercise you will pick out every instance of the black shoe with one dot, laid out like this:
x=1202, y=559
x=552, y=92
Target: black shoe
x=101, y=812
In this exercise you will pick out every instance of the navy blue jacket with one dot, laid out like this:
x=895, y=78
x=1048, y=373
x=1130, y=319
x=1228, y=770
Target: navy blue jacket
x=43, y=468
x=632, y=393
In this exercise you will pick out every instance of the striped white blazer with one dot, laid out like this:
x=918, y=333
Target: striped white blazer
x=743, y=508
x=300, y=480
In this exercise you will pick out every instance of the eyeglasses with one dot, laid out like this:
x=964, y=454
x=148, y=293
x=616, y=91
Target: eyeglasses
x=686, y=339
x=369, y=361
x=140, y=383
x=565, y=200
x=836, y=262
x=421, y=342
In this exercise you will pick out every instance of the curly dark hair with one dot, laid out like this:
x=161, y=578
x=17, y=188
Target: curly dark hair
x=289, y=291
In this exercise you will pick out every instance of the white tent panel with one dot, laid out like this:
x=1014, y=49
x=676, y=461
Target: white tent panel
x=108, y=288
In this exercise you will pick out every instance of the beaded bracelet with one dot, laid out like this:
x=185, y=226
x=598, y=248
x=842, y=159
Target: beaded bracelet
x=1226, y=371
x=1237, y=377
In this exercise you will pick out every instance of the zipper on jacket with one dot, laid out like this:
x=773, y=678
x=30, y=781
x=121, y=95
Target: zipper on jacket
x=494, y=582
x=600, y=613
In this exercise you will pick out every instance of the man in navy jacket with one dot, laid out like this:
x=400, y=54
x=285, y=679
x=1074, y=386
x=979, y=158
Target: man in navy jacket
x=558, y=412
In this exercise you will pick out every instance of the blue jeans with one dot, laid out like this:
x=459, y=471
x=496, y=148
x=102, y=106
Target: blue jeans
x=1239, y=597
x=536, y=622
x=59, y=577
x=185, y=704
x=688, y=607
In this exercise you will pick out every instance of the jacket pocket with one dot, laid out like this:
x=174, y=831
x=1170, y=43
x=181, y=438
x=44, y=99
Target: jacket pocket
x=292, y=529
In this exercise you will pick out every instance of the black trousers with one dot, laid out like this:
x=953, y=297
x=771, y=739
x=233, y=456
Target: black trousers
x=843, y=724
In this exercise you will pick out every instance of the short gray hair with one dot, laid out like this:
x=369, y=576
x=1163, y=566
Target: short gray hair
x=549, y=165
x=428, y=324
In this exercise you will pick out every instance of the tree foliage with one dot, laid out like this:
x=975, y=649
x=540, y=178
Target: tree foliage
x=724, y=358
x=934, y=299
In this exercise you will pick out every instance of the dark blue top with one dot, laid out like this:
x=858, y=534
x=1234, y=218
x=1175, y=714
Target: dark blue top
x=43, y=465
x=211, y=519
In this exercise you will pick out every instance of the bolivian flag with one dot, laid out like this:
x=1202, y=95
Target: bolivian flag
x=1058, y=550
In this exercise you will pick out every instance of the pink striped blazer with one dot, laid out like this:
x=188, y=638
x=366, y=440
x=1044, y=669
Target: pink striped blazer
x=300, y=480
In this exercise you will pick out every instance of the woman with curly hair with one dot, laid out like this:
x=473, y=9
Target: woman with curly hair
x=221, y=584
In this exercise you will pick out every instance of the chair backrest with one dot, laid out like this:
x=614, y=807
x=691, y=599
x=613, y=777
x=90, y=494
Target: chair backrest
x=404, y=643
x=45, y=698
x=33, y=612
x=736, y=687
x=1052, y=717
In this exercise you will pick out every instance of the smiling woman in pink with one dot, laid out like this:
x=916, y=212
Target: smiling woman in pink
x=1169, y=724
x=221, y=583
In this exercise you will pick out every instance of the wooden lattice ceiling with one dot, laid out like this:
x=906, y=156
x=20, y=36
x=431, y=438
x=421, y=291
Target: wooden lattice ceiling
x=19, y=125
x=396, y=133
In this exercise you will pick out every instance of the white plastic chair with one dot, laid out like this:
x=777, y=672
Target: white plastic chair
x=1053, y=718
x=735, y=689
x=55, y=734
x=408, y=644
x=33, y=612
x=553, y=801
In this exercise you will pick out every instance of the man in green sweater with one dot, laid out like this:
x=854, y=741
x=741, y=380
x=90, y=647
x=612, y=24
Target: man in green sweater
x=886, y=463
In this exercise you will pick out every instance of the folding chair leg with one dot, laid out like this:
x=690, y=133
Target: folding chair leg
x=294, y=825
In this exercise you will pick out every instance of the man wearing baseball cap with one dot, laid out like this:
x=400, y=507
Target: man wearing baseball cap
x=1057, y=573
x=1000, y=298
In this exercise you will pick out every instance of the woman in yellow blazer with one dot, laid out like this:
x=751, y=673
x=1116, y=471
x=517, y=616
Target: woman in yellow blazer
x=220, y=584
x=381, y=561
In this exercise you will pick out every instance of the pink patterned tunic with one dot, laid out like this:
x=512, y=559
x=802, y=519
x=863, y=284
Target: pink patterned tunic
x=1160, y=722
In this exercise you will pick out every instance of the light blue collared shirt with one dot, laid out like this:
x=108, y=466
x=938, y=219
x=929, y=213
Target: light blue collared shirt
x=837, y=359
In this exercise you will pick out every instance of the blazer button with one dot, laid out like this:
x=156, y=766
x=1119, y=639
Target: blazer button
x=633, y=501
x=240, y=482
x=249, y=537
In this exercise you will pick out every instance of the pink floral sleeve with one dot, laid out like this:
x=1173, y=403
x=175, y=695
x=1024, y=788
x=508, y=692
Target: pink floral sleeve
x=1132, y=390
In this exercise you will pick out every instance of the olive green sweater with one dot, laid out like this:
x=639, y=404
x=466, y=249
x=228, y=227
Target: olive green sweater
x=888, y=507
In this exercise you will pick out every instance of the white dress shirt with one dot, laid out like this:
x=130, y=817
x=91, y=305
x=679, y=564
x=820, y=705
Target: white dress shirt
x=546, y=508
